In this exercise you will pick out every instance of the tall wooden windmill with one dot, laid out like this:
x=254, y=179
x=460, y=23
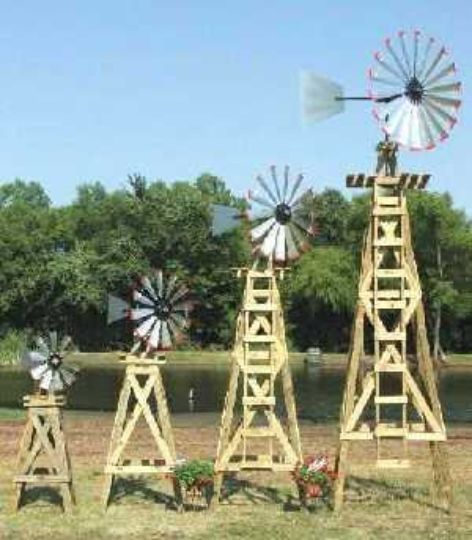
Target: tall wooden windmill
x=258, y=440
x=43, y=458
x=415, y=97
x=158, y=310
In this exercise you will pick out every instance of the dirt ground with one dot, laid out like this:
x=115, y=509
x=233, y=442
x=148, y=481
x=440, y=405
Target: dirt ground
x=380, y=504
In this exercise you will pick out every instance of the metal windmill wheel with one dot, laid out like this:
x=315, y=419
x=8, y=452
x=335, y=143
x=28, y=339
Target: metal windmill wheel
x=159, y=311
x=281, y=222
x=413, y=88
x=46, y=363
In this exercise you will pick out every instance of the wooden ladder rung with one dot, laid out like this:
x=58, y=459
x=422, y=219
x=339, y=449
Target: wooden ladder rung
x=260, y=307
x=259, y=339
x=259, y=432
x=388, y=211
x=389, y=272
x=388, y=201
x=389, y=304
x=390, y=432
x=388, y=242
x=391, y=400
x=267, y=400
x=391, y=336
x=390, y=368
x=266, y=370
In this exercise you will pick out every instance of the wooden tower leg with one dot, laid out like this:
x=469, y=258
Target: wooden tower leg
x=142, y=383
x=259, y=356
x=116, y=434
x=226, y=423
x=44, y=439
x=390, y=300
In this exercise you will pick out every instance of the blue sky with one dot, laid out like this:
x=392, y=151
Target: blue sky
x=95, y=90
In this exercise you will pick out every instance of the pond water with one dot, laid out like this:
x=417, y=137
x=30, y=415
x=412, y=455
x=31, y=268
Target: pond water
x=318, y=390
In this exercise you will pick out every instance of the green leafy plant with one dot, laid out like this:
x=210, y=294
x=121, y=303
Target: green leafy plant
x=195, y=474
x=315, y=477
x=11, y=346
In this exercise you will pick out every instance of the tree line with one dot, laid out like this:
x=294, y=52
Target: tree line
x=58, y=264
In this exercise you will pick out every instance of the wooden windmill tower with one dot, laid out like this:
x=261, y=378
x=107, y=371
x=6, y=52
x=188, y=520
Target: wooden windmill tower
x=415, y=97
x=159, y=311
x=258, y=440
x=43, y=458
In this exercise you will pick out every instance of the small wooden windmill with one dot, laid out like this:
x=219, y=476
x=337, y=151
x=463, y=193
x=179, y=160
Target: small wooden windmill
x=158, y=310
x=258, y=440
x=43, y=457
x=415, y=97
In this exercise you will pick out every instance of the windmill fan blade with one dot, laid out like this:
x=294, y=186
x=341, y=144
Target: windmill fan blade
x=117, y=309
x=46, y=379
x=153, y=341
x=268, y=246
x=140, y=313
x=144, y=328
x=53, y=341
x=56, y=384
x=166, y=339
x=31, y=359
x=68, y=375
x=318, y=96
x=38, y=372
x=66, y=344
x=42, y=345
x=225, y=218
x=280, y=245
x=259, y=231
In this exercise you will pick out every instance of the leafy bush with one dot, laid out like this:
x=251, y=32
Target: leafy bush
x=11, y=346
x=195, y=474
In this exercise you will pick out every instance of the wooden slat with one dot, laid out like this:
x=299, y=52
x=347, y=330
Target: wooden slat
x=388, y=242
x=389, y=272
x=394, y=400
x=250, y=401
x=390, y=368
x=265, y=370
x=387, y=431
x=391, y=336
x=259, y=339
x=260, y=307
x=42, y=479
x=390, y=304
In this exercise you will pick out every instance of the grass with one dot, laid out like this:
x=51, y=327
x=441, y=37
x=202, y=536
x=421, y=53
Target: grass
x=381, y=505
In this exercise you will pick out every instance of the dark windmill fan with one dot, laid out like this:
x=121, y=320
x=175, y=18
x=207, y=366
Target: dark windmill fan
x=413, y=89
x=159, y=310
x=46, y=363
x=280, y=222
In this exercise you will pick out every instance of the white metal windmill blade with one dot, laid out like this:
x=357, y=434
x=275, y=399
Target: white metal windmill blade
x=158, y=310
x=46, y=363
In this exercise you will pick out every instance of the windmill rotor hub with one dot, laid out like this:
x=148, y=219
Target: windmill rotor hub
x=414, y=91
x=163, y=310
x=55, y=360
x=283, y=213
